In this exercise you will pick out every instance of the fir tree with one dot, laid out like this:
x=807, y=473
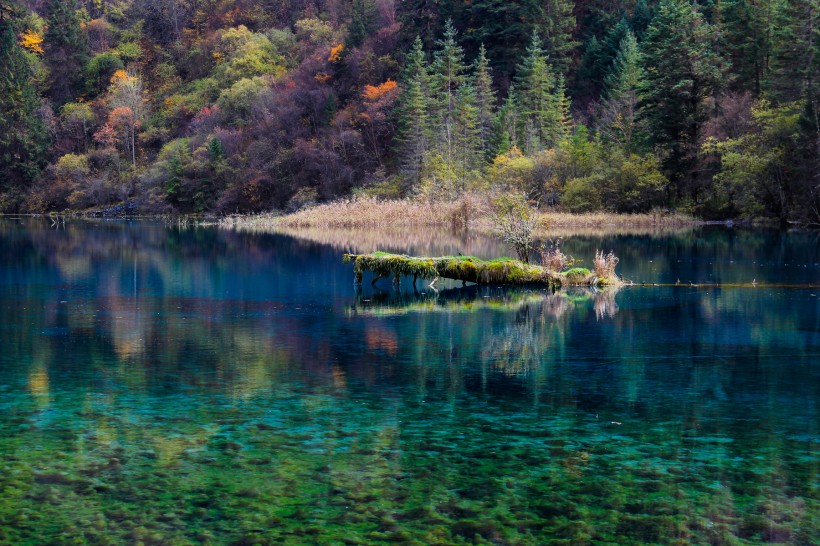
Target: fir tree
x=414, y=111
x=466, y=134
x=66, y=51
x=447, y=75
x=484, y=100
x=618, y=117
x=560, y=25
x=23, y=138
x=681, y=70
x=745, y=43
x=795, y=50
x=362, y=22
x=505, y=126
x=539, y=100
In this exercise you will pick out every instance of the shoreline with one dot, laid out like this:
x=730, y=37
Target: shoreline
x=469, y=214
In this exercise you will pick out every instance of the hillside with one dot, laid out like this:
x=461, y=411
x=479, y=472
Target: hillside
x=243, y=106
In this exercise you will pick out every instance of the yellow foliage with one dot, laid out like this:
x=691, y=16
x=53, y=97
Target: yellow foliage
x=32, y=41
x=375, y=92
x=336, y=53
x=119, y=76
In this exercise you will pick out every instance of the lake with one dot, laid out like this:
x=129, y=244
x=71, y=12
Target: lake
x=176, y=386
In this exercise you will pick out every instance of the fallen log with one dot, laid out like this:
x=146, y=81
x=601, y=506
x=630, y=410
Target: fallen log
x=468, y=269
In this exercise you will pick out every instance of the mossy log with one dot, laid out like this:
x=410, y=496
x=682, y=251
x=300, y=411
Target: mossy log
x=467, y=269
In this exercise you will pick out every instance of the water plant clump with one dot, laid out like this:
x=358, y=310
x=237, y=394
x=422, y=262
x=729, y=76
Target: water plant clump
x=469, y=269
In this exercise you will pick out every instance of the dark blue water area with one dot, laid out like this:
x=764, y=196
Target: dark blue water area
x=188, y=386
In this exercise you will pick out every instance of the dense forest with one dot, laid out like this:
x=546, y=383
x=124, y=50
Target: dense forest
x=247, y=105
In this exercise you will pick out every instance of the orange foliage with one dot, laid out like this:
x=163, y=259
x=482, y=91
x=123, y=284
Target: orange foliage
x=119, y=75
x=375, y=92
x=336, y=53
x=321, y=77
x=33, y=42
x=121, y=115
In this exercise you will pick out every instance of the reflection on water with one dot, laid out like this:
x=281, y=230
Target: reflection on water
x=425, y=242
x=184, y=387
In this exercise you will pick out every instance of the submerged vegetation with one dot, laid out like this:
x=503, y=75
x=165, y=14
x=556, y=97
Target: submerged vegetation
x=240, y=106
x=474, y=270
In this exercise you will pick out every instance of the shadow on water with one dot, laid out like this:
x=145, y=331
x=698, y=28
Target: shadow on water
x=171, y=386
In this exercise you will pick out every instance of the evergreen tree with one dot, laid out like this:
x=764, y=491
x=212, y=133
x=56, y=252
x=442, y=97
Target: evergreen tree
x=447, y=75
x=540, y=103
x=362, y=22
x=23, y=138
x=681, y=70
x=484, y=100
x=641, y=17
x=560, y=25
x=66, y=51
x=563, y=104
x=745, y=42
x=505, y=126
x=795, y=50
x=414, y=111
x=625, y=75
x=618, y=117
x=467, y=137
x=598, y=57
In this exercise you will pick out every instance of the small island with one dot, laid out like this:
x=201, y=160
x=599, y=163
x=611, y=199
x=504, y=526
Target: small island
x=506, y=271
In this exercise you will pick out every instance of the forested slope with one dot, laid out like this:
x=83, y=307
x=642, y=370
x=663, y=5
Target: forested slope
x=242, y=105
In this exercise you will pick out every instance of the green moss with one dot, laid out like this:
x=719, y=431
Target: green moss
x=470, y=269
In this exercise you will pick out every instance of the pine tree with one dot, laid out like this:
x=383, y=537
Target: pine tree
x=66, y=51
x=681, y=70
x=563, y=105
x=362, y=22
x=466, y=134
x=625, y=75
x=447, y=75
x=641, y=17
x=540, y=104
x=414, y=111
x=795, y=50
x=745, y=43
x=23, y=137
x=505, y=126
x=560, y=24
x=618, y=118
x=484, y=100
x=598, y=57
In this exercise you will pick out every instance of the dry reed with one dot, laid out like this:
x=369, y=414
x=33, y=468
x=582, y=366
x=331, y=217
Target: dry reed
x=470, y=211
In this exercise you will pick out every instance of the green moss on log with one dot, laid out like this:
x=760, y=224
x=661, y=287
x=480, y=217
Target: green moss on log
x=467, y=269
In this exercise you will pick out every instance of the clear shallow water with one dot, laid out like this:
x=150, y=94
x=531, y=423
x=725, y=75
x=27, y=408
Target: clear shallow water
x=176, y=387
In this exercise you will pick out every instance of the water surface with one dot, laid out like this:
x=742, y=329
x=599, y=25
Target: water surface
x=193, y=386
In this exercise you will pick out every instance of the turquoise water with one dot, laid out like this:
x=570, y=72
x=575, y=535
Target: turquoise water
x=166, y=386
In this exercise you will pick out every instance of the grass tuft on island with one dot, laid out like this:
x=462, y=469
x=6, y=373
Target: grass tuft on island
x=470, y=211
x=471, y=269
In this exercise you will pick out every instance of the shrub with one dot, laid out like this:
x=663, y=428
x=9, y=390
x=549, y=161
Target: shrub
x=604, y=264
x=72, y=167
x=514, y=221
x=99, y=70
x=584, y=194
x=553, y=258
x=237, y=102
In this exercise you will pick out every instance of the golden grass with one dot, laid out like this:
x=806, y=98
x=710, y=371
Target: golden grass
x=471, y=211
